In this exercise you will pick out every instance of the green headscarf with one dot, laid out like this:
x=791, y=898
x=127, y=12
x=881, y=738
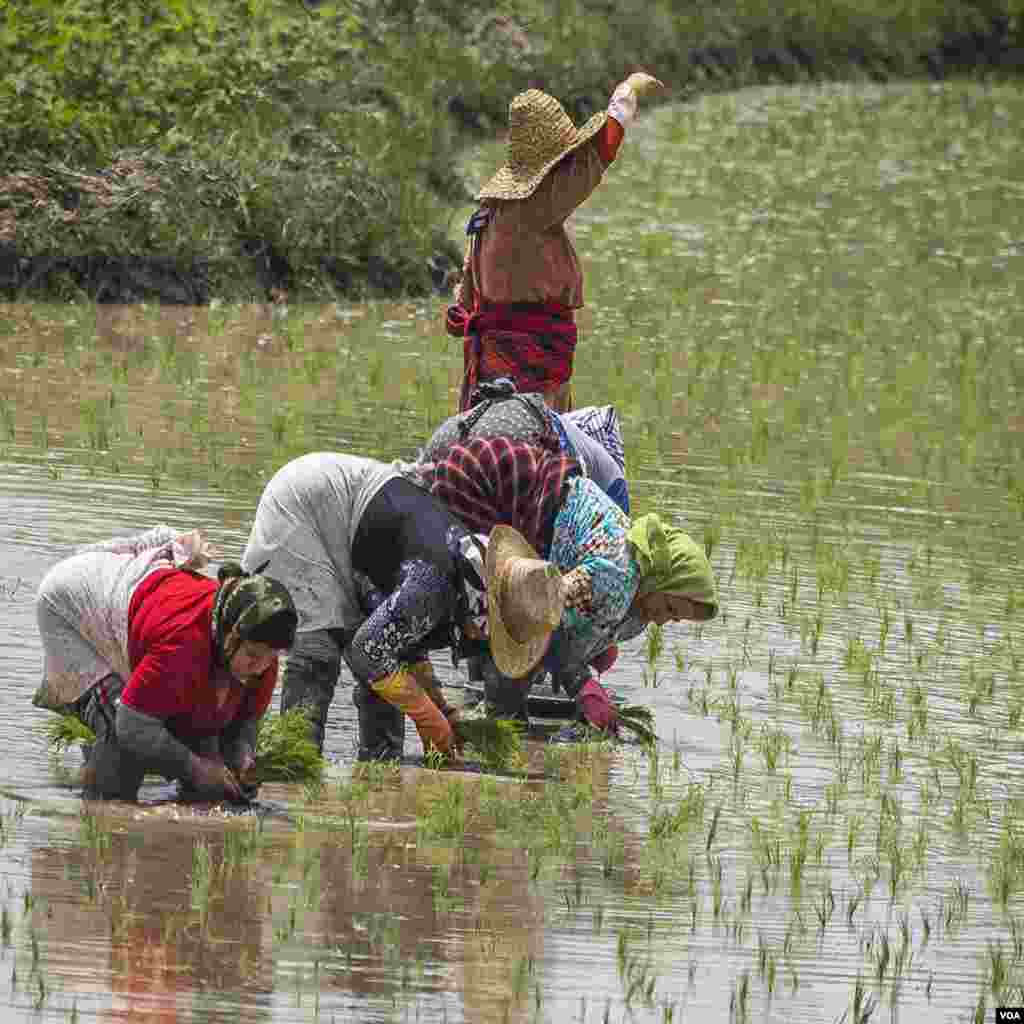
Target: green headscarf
x=671, y=561
x=244, y=601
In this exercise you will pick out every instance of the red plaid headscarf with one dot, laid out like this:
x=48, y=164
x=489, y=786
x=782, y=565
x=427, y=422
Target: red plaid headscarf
x=493, y=480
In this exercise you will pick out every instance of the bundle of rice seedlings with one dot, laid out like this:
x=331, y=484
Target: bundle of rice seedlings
x=63, y=731
x=640, y=721
x=496, y=742
x=284, y=751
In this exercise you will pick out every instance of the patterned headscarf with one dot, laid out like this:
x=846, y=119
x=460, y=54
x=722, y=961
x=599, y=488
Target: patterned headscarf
x=672, y=562
x=495, y=480
x=244, y=601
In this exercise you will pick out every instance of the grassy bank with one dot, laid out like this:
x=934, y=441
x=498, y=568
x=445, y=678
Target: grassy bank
x=202, y=149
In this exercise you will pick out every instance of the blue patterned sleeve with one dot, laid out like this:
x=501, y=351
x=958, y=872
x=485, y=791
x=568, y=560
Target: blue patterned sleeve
x=618, y=491
x=590, y=545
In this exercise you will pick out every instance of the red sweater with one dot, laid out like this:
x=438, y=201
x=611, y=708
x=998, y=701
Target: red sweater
x=170, y=649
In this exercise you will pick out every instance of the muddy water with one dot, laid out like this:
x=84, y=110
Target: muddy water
x=834, y=794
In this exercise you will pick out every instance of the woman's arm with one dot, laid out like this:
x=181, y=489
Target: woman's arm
x=156, y=537
x=149, y=739
x=162, y=686
x=424, y=598
x=571, y=181
x=601, y=579
x=565, y=187
x=185, y=550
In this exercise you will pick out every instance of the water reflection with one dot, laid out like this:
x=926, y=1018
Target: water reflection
x=124, y=899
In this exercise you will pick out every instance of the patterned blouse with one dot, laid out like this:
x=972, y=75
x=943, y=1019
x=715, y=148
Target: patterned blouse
x=602, y=576
x=494, y=480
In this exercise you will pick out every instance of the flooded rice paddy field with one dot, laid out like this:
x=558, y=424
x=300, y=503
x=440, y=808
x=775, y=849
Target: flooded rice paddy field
x=806, y=305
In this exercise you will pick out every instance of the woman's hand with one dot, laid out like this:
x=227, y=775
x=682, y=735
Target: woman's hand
x=643, y=84
x=622, y=105
x=213, y=780
x=596, y=708
x=244, y=771
x=246, y=763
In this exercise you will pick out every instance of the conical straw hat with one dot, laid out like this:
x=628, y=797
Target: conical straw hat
x=525, y=599
x=540, y=133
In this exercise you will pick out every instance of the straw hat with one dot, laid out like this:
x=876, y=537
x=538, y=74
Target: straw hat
x=525, y=598
x=540, y=133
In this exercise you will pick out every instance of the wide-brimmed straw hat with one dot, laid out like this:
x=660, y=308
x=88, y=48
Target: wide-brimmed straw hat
x=525, y=599
x=540, y=133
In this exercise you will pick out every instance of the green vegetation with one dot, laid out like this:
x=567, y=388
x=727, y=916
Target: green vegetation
x=207, y=148
x=64, y=731
x=496, y=742
x=284, y=751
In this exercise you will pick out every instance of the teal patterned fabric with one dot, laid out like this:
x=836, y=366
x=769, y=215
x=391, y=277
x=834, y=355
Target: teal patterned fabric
x=590, y=534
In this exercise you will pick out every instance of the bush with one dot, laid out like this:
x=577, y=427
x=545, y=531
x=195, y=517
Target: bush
x=203, y=147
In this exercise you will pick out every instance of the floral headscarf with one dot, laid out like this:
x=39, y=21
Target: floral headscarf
x=671, y=561
x=244, y=601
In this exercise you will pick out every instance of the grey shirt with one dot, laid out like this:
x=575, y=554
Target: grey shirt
x=305, y=526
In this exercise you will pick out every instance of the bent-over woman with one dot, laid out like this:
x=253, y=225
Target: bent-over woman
x=591, y=435
x=619, y=574
x=381, y=573
x=170, y=669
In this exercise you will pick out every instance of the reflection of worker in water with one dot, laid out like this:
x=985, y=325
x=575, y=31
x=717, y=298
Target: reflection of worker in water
x=406, y=902
x=163, y=953
x=172, y=670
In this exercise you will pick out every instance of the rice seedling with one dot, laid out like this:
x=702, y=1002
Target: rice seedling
x=445, y=901
x=284, y=750
x=7, y=418
x=688, y=814
x=241, y=845
x=773, y=743
x=862, y=1006
x=638, y=720
x=64, y=731
x=739, y=1009
x=201, y=877
x=635, y=972
x=434, y=760
x=95, y=833
x=610, y=846
x=799, y=851
x=448, y=812
x=496, y=743
x=654, y=649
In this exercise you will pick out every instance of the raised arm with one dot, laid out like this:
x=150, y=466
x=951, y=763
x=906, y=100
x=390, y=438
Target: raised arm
x=571, y=181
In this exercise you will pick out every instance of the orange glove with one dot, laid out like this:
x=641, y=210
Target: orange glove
x=403, y=691
x=423, y=673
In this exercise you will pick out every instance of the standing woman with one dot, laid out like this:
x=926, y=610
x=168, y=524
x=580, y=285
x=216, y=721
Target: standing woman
x=381, y=573
x=170, y=669
x=521, y=276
